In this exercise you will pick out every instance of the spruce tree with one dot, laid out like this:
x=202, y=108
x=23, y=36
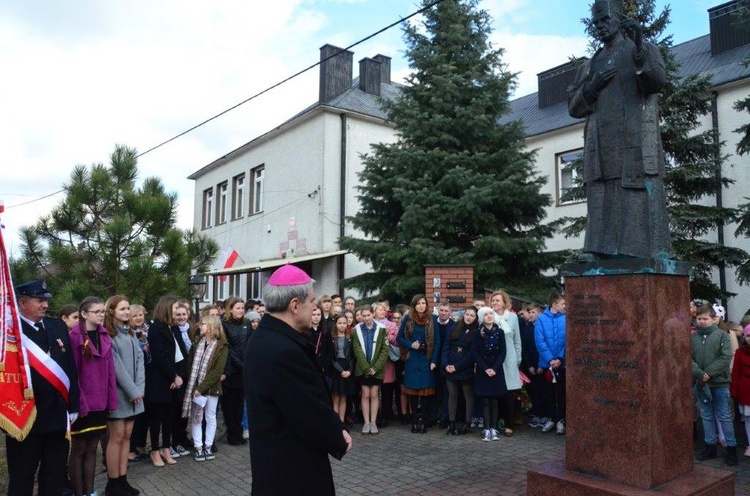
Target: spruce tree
x=456, y=187
x=694, y=160
x=108, y=236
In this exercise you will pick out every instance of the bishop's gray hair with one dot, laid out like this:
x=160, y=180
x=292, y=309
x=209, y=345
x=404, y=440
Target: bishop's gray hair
x=277, y=298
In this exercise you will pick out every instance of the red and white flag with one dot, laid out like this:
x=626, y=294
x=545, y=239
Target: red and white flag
x=17, y=406
x=229, y=258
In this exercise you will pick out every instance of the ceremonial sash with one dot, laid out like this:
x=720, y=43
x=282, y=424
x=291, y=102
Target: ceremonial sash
x=47, y=367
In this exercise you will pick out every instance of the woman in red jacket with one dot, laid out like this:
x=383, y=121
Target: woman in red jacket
x=739, y=388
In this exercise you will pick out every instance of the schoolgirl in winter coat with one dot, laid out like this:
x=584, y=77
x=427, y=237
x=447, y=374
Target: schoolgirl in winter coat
x=208, y=359
x=342, y=366
x=739, y=388
x=371, y=352
x=488, y=349
x=131, y=384
x=457, y=366
x=237, y=329
x=94, y=359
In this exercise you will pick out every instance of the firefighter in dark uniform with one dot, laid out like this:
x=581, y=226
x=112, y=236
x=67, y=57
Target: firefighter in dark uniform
x=45, y=449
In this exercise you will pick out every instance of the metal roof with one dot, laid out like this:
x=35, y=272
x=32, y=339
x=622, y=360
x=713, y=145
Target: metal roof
x=694, y=57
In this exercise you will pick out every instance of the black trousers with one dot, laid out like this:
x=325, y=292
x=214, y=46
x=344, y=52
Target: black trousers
x=140, y=428
x=47, y=452
x=160, y=420
x=232, y=403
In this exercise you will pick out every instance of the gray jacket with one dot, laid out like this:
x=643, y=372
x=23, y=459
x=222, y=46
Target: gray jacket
x=130, y=374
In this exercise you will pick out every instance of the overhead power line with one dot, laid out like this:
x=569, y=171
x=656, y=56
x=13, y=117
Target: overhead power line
x=260, y=93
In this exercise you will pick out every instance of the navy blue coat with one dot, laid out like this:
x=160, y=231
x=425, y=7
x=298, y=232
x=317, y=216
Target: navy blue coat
x=445, y=330
x=417, y=373
x=457, y=352
x=489, y=352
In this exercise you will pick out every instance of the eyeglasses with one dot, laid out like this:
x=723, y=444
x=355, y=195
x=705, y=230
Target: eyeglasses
x=97, y=312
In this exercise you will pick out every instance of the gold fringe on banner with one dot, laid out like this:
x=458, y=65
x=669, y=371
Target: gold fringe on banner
x=28, y=394
x=13, y=430
x=2, y=367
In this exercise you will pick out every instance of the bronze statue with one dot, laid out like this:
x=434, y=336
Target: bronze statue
x=617, y=92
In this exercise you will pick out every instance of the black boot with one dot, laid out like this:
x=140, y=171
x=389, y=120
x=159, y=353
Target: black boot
x=731, y=458
x=451, y=429
x=114, y=488
x=130, y=490
x=421, y=424
x=709, y=452
x=463, y=429
x=415, y=426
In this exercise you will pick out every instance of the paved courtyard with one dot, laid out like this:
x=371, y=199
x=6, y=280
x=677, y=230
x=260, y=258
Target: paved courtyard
x=392, y=462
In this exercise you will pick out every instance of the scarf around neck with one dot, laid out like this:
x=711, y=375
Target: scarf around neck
x=203, y=354
x=501, y=319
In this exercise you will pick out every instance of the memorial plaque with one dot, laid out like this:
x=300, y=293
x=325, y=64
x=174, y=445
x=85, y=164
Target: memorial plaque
x=629, y=406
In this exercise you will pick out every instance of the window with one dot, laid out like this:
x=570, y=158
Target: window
x=238, y=196
x=255, y=285
x=235, y=287
x=208, y=207
x=568, y=169
x=256, y=195
x=221, y=203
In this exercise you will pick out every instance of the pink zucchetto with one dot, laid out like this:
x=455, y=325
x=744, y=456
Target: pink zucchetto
x=289, y=275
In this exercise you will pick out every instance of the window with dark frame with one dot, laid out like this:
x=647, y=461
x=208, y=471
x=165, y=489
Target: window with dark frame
x=256, y=189
x=208, y=206
x=238, y=196
x=221, y=202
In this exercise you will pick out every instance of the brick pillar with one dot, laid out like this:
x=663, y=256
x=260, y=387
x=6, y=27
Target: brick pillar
x=452, y=283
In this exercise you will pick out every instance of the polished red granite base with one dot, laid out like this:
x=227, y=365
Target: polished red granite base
x=629, y=411
x=553, y=479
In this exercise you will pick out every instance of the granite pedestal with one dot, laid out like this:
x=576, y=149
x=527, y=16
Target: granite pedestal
x=629, y=412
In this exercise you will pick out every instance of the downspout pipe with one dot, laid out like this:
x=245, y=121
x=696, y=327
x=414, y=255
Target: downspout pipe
x=342, y=198
x=719, y=191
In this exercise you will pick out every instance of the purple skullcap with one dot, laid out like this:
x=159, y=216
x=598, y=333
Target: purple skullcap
x=289, y=275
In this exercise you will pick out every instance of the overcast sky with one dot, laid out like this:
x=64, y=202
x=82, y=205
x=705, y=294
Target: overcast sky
x=83, y=75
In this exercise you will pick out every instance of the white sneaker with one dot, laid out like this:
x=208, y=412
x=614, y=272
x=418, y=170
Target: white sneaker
x=480, y=422
x=474, y=422
x=199, y=455
x=181, y=450
x=245, y=434
x=747, y=451
x=548, y=426
x=494, y=435
x=486, y=435
x=373, y=429
x=561, y=427
x=209, y=454
x=173, y=452
x=366, y=429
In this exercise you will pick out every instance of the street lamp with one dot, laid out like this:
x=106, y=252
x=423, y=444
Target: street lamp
x=197, y=287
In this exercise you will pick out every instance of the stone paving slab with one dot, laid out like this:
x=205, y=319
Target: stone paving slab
x=392, y=462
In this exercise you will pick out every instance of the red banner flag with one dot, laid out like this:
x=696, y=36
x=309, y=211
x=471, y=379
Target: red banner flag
x=17, y=406
x=230, y=257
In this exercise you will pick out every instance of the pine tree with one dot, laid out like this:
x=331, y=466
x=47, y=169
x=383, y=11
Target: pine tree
x=693, y=163
x=457, y=187
x=108, y=237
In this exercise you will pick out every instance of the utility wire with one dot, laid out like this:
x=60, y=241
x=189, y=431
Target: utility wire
x=283, y=81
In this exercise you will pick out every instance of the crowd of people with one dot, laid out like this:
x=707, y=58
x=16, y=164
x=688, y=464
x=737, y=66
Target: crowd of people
x=415, y=366
x=162, y=377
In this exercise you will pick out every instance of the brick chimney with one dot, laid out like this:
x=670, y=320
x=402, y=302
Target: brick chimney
x=385, y=68
x=369, y=76
x=727, y=31
x=335, y=73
